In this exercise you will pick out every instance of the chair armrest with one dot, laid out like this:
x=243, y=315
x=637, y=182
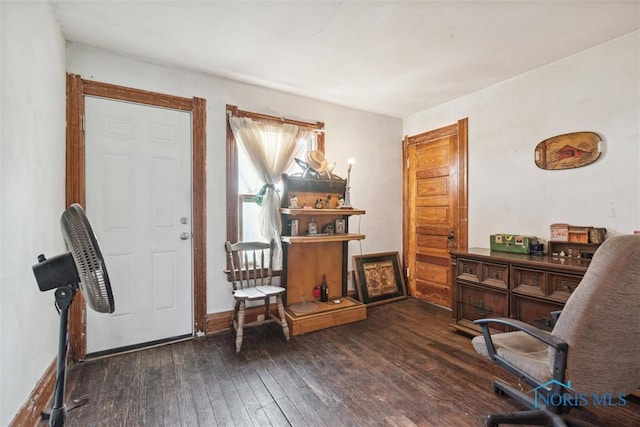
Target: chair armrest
x=559, y=361
x=537, y=333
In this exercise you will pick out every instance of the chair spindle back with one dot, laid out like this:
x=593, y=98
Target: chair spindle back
x=250, y=263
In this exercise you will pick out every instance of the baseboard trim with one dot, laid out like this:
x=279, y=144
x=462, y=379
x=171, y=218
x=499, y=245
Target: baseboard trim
x=434, y=305
x=30, y=413
x=218, y=322
x=221, y=321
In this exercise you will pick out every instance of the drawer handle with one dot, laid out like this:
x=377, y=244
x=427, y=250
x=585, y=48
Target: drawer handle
x=469, y=270
x=482, y=308
x=568, y=289
x=496, y=275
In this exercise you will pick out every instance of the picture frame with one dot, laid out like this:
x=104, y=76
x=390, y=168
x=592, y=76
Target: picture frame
x=378, y=278
x=340, y=226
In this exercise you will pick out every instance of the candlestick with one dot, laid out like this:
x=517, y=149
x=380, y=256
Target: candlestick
x=347, y=191
x=347, y=199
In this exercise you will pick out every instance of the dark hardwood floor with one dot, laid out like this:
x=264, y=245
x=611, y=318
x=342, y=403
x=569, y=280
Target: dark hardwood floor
x=402, y=366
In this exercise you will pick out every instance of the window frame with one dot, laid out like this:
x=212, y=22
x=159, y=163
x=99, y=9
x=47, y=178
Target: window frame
x=233, y=196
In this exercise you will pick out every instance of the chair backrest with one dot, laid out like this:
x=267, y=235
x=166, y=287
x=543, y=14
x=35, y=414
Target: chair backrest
x=250, y=263
x=601, y=321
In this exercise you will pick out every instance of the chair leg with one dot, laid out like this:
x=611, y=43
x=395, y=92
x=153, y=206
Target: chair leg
x=234, y=317
x=267, y=307
x=502, y=388
x=283, y=319
x=240, y=327
x=543, y=416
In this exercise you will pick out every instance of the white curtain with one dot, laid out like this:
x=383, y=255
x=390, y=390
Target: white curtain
x=270, y=148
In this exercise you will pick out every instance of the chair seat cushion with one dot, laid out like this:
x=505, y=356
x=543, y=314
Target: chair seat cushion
x=248, y=293
x=270, y=290
x=522, y=350
x=258, y=292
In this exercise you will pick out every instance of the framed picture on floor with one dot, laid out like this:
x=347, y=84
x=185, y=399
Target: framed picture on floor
x=378, y=278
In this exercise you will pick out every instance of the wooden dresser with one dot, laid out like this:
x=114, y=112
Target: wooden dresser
x=500, y=284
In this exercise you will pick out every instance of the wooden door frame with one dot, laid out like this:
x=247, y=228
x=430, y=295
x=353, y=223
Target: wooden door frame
x=461, y=215
x=77, y=88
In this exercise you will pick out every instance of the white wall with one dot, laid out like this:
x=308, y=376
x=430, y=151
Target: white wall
x=596, y=90
x=374, y=141
x=32, y=193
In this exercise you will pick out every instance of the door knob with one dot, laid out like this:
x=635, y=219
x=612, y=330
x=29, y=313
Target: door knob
x=452, y=239
x=184, y=235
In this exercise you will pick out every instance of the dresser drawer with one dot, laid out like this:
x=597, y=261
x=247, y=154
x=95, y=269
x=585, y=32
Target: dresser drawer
x=561, y=286
x=529, y=282
x=554, y=286
x=469, y=270
x=495, y=275
x=476, y=302
x=534, y=311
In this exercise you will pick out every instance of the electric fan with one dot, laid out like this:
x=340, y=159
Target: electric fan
x=83, y=266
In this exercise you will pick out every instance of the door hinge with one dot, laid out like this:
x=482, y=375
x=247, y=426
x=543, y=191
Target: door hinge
x=82, y=120
x=408, y=272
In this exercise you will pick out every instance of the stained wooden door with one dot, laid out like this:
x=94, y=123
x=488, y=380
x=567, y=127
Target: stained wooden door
x=435, y=209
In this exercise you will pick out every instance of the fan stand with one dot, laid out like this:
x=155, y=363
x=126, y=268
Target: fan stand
x=58, y=414
x=82, y=267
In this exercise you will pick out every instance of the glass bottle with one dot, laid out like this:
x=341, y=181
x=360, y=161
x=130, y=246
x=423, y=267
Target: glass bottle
x=313, y=229
x=324, y=289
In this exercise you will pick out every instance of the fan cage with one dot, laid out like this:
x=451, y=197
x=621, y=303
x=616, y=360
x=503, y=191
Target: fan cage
x=81, y=242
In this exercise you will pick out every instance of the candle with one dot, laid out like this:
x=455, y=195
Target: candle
x=351, y=162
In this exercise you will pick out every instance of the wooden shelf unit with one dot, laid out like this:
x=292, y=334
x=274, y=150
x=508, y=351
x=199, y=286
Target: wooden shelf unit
x=307, y=258
x=322, y=239
x=325, y=316
x=572, y=249
x=325, y=211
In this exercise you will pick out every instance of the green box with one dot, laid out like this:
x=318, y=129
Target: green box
x=513, y=243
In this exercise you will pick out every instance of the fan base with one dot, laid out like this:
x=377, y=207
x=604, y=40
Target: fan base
x=75, y=403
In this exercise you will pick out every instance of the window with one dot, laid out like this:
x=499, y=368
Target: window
x=243, y=185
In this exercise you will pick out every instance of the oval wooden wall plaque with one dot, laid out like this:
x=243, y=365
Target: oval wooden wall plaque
x=568, y=151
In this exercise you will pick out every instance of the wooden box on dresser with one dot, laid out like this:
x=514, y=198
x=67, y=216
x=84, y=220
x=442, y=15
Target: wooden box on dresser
x=307, y=258
x=500, y=284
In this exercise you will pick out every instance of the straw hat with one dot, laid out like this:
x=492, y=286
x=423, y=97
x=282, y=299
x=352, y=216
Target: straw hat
x=316, y=160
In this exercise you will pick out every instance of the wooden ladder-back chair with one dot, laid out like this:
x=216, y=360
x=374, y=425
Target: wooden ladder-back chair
x=593, y=351
x=251, y=275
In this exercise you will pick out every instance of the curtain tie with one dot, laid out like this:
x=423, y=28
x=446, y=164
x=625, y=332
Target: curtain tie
x=263, y=191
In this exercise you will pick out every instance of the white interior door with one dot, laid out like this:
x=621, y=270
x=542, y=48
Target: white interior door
x=138, y=199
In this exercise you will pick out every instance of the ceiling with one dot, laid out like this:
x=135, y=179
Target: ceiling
x=392, y=57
